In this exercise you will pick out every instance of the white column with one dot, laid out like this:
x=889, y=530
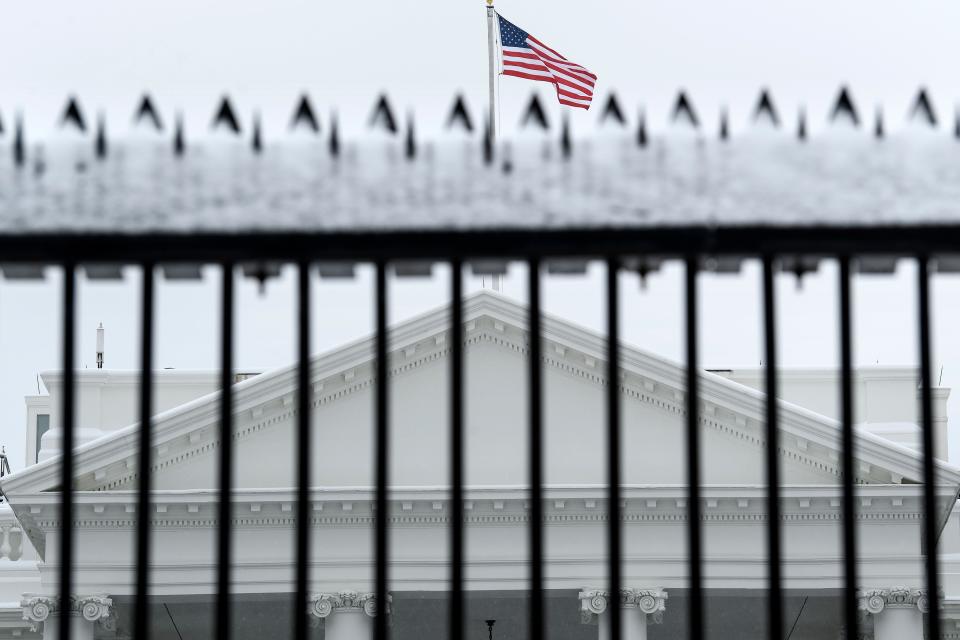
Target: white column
x=897, y=612
x=637, y=608
x=348, y=625
x=346, y=615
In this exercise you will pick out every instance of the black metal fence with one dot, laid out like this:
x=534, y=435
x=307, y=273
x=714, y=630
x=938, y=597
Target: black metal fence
x=620, y=249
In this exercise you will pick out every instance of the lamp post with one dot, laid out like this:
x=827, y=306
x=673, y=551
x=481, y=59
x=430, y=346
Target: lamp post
x=490, y=624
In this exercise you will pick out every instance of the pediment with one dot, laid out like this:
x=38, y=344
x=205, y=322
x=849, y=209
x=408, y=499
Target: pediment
x=187, y=437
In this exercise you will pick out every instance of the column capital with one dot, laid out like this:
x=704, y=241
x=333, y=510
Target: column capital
x=873, y=601
x=594, y=602
x=323, y=604
x=92, y=608
x=37, y=608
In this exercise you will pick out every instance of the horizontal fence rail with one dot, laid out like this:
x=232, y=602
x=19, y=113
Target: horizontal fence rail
x=621, y=250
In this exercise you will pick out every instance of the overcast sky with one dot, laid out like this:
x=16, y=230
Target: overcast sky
x=188, y=53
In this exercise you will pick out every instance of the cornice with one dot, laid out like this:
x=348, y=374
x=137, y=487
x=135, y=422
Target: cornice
x=563, y=506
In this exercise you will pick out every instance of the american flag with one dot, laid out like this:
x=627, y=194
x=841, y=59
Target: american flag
x=526, y=57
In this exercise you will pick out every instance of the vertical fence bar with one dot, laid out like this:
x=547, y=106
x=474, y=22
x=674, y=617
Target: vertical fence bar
x=226, y=454
x=693, y=456
x=382, y=455
x=847, y=466
x=613, y=444
x=301, y=614
x=930, y=519
x=456, y=450
x=141, y=605
x=775, y=596
x=536, y=455
x=66, y=463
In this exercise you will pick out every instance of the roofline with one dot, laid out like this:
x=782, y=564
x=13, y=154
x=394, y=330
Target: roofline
x=442, y=492
x=132, y=376
x=714, y=389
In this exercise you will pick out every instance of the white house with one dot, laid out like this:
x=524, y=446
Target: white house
x=184, y=509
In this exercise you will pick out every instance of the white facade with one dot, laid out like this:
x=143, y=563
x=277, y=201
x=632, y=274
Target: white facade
x=184, y=510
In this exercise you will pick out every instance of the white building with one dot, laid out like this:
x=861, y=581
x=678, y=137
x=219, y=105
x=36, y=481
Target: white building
x=184, y=507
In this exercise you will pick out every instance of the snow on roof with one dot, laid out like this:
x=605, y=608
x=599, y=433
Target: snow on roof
x=156, y=176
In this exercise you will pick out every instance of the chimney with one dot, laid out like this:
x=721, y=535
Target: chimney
x=100, y=346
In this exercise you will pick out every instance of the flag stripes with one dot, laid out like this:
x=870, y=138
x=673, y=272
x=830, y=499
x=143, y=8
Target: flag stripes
x=526, y=57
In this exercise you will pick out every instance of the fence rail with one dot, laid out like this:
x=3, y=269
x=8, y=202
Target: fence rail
x=621, y=249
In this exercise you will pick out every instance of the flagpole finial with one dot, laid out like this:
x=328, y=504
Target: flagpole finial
x=489, y=3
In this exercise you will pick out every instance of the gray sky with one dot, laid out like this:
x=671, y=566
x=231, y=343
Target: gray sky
x=188, y=53
x=264, y=54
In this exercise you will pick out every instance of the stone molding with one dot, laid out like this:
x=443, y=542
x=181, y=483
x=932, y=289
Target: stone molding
x=93, y=608
x=874, y=601
x=594, y=602
x=322, y=605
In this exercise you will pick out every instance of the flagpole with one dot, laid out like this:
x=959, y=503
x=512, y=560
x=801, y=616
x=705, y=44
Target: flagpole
x=491, y=46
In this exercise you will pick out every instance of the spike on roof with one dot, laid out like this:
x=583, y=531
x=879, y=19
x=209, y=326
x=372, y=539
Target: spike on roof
x=334, y=136
x=460, y=116
x=765, y=110
x=147, y=112
x=179, y=145
x=73, y=117
x=923, y=109
x=100, y=144
x=304, y=116
x=724, y=126
x=878, y=124
x=612, y=111
x=1, y=126
x=226, y=117
x=487, y=142
x=802, y=125
x=19, y=156
x=257, y=141
x=683, y=110
x=844, y=108
x=566, y=143
x=410, y=144
x=382, y=116
x=956, y=126
x=536, y=114
x=642, y=130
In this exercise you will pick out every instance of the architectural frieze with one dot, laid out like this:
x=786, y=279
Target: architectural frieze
x=569, y=506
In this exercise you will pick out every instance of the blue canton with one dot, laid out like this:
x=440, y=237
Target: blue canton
x=511, y=35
